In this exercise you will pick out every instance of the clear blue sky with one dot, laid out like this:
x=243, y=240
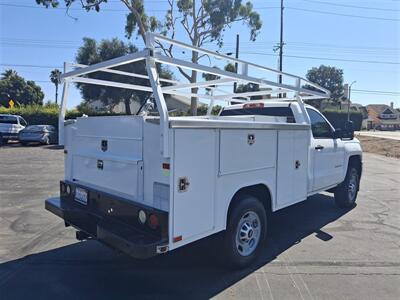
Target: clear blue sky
x=361, y=37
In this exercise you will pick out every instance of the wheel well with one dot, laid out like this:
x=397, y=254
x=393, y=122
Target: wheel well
x=259, y=191
x=355, y=160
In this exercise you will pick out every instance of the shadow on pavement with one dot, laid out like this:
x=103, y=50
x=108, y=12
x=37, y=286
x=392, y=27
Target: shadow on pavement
x=89, y=270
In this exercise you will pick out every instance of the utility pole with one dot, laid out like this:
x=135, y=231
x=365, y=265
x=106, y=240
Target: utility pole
x=236, y=64
x=281, y=44
x=349, y=98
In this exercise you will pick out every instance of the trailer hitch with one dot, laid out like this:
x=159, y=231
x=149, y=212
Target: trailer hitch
x=82, y=236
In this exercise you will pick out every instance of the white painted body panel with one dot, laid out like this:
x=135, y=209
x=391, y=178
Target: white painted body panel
x=122, y=173
x=193, y=212
x=213, y=154
x=328, y=163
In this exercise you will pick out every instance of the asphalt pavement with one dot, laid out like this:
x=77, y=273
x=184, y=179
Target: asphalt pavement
x=314, y=250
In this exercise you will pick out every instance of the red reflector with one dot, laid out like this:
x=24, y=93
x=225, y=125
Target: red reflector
x=153, y=222
x=253, y=105
x=165, y=166
x=177, y=239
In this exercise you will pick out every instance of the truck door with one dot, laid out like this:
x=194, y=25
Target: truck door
x=327, y=153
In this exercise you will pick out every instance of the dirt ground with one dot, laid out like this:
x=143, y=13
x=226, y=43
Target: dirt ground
x=386, y=147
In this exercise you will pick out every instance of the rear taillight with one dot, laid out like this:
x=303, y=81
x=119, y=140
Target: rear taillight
x=153, y=222
x=65, y=189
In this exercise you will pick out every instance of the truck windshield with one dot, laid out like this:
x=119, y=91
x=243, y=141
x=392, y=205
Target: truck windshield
x=8, y=120
x=285, y=111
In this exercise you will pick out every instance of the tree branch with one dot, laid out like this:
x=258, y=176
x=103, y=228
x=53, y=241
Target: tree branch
x=168, y=52
x=89, y=6
x=185, y=25
x=142, y=29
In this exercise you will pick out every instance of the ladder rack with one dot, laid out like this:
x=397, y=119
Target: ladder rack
x=220, y=87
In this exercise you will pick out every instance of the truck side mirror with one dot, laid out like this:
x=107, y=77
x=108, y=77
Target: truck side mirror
x=346, y=133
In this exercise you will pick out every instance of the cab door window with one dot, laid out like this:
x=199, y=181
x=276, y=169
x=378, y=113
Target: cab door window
x=319, y=126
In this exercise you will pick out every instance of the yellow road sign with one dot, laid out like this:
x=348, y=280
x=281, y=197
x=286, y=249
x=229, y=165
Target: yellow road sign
x=11, y=103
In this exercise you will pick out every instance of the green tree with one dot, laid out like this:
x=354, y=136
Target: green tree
x=202, y=21
x=55, y=79
x=92, y=52
x=328, y=77
x=13, y=86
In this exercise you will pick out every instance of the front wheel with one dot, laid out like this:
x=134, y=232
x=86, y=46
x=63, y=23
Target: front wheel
x=346, y=192
x=246, y=229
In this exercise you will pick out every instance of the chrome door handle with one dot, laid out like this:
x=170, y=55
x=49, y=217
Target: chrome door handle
x=319, y=147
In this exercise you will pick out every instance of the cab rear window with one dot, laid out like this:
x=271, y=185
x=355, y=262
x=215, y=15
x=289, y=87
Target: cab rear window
x=262, y=111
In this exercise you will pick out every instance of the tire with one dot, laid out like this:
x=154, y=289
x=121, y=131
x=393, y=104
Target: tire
x=346, y=192
x=245, y=232
x=24, y=143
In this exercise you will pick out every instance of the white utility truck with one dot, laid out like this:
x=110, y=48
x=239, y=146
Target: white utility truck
x=146, y=185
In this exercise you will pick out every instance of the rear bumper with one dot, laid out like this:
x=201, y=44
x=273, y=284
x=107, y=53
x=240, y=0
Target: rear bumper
x=117, y=228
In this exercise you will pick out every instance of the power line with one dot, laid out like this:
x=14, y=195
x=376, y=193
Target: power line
x=30, y=66
x=352, y=6
x=375, y=92
x=340, y=14
x=226, y=44
x=329, y=58
x=102, y=9
x=72, y=8
x=258, y=8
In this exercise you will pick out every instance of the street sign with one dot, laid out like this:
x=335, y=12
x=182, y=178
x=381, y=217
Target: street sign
x=11, y=103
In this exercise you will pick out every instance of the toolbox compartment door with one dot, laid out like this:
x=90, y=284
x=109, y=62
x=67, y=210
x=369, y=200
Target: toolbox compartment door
x=194, y=161
x=107, y=154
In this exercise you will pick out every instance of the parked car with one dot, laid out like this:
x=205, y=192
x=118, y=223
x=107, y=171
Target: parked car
x=44, y=134
x=10, y=126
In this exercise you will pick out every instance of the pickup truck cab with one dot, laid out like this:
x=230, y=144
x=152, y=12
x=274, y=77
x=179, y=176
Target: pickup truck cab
x=10, y=126
x=146, y=185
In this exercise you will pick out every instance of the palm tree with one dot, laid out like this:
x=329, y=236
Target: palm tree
x=55, y=78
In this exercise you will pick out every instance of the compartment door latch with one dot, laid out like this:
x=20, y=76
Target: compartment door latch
x=183, y=184
x=104, y=145
x=297, y=164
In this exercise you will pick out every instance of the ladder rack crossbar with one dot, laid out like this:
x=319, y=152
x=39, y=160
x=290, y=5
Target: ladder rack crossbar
x=215, y=90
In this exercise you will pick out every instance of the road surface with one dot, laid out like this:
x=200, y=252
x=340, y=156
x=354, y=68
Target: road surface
x=314, y=250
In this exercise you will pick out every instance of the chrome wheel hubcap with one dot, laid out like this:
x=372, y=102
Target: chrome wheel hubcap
x=352, y=190
x=248, y=233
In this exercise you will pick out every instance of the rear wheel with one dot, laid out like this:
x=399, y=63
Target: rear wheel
x=346, y=192
x=246, y=229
